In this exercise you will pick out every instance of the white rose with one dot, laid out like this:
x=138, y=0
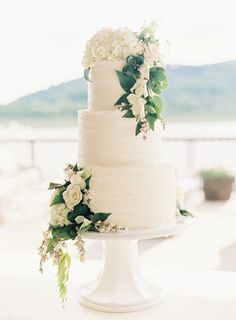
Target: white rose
x=72, y=195
x=137, y=105
x=59, y=215
x=144, y=69
x=78, y=180
x=69, y=172
x=140, y=88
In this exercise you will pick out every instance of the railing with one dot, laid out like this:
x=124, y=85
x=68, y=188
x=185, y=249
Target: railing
x=190, y=142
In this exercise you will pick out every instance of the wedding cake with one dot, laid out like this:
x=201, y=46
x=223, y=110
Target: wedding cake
x=120, y=133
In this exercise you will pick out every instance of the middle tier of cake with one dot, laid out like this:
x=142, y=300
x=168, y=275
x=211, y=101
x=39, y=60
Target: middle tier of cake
x=107, y=139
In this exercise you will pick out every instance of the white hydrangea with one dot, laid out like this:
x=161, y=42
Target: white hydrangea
x=111, y=44
x=59, y=215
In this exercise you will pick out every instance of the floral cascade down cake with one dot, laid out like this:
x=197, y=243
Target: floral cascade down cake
x=121, y=181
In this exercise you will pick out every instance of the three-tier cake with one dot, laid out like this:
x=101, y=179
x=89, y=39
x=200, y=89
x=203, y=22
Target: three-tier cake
x=120, y=133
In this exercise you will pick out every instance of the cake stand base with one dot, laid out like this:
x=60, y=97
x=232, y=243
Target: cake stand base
x=120, y=286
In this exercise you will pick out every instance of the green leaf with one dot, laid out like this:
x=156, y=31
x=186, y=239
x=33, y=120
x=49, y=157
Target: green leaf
x=87, y=181
x=185, y=213
x=93, y=228
x=128, y=114
x=151, y=120
x=164, y=84
x=100, y=217
x=57, y=199
x=157, y=74
x=122, y=99
x=63, y=269
x=71, y=216
x=76, y=168
x=139, y=60
x=66, y=232
x=53, y=185
x=86, y=74
x=126, y=82
x=50, y=245
x=150, y=108
x=156, y=90
x=130, y=60
x=82, y=209
x=157, y=102
x=138, y=128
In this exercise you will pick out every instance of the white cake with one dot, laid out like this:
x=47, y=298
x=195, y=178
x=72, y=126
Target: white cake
x=129, y=177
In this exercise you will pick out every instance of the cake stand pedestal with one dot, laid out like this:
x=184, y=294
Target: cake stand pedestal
x=120, y=286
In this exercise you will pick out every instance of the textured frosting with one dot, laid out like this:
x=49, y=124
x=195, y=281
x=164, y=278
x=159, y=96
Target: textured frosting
x=104, y=88
x=105, y=138
x=137, y=196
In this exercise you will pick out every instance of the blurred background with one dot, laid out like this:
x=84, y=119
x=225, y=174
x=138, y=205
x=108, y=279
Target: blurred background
x=42, y=88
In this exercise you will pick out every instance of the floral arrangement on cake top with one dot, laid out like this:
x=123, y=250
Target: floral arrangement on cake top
x=70, y=218
x=143, y=76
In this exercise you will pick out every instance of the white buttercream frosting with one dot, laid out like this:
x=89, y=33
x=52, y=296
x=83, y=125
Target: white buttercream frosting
x=104, y=88
x=137, y=196
x=107, y=139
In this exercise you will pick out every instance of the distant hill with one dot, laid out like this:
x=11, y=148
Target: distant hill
x=195, y=93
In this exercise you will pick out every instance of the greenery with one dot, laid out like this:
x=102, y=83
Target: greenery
x=153, y=81
x=75, y=222
x=216, y=174
x=156, y=83
x=196, y=93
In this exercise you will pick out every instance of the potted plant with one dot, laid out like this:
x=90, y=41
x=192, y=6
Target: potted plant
x=217, y=183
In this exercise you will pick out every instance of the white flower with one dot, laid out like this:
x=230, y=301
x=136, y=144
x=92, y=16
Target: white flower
x=68, y=172
x=78, y=180
x=85, y=173
x=109, y=44
x=59, y=215
x=72, y=195
x=140, y=88
x=137, y=105
x=144, y=69
x=81, y=219
x=151, y=53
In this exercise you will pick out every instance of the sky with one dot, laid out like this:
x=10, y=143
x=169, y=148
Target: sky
x=42, y=41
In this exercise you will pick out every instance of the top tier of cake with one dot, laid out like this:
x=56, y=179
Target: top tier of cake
x=104, y=88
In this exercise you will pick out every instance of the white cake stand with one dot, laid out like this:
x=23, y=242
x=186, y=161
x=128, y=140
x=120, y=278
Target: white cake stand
x=120, y=286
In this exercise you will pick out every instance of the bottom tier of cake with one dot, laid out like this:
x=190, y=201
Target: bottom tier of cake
x=138, y=197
